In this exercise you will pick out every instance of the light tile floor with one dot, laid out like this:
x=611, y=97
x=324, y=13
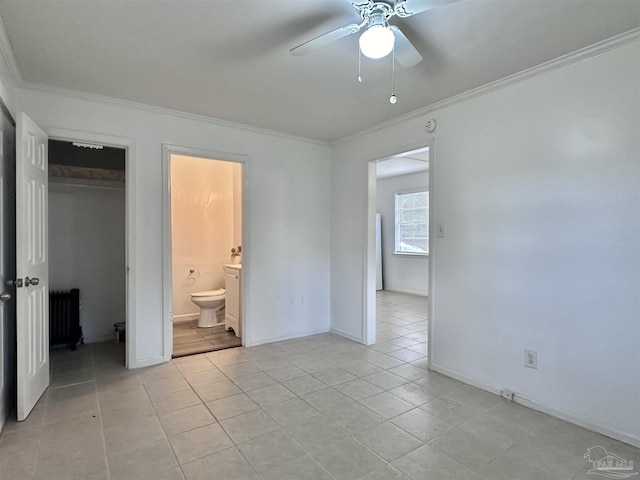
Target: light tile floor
x=320, y=408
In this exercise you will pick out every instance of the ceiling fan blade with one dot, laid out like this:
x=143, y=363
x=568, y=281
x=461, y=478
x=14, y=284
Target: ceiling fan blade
x=325, y=39
x=406, y=8
x=405, y=53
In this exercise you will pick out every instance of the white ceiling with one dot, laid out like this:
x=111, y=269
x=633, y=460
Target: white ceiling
x=403, y=164
x=229, y=59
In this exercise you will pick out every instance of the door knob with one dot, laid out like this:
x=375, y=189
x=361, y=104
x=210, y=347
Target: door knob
x=14, y=283
x=31, y=281
x=5, y=297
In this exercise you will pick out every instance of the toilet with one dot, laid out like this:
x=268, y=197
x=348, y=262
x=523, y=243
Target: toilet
x=211, y=305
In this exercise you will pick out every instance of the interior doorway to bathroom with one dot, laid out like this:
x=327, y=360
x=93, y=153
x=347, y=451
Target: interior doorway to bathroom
x=205, y=214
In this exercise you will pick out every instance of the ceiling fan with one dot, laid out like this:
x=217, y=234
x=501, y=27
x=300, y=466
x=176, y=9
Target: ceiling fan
x=379, y=37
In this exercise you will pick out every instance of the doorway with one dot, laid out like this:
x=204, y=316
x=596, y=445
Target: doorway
x=398, y=253
x=87, y=241
x=34, y=368
x=7, y=263
x=203, y=252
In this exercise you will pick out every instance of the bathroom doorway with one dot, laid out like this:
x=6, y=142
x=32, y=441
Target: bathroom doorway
x=205, y=216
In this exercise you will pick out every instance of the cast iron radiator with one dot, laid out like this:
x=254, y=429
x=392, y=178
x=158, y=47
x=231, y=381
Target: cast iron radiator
x=64, y=318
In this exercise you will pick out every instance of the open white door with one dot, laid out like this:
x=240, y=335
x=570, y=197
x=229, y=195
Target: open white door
x=32, y=265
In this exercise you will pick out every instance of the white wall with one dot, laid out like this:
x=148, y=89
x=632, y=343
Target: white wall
x=87, y=251
x=286, y=252
x=7, y=83
x=538, y=184
x=401, y=273
x=202, y=226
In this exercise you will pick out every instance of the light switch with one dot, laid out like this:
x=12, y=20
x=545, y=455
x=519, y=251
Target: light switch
x=440, y=230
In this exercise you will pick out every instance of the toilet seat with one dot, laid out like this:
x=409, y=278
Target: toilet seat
x=212, y=294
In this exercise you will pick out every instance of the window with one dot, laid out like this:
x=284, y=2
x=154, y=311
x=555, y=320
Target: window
x=412, y=223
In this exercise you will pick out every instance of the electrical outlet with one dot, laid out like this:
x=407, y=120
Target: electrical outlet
x=531, y=358
x=507, y=395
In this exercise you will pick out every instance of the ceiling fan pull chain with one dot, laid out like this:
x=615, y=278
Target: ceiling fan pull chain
x=393, y=99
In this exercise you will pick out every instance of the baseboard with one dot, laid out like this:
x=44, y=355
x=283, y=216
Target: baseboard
x=410, y=292
x=185, y=317
x=464, y=379
x=589, y=425
x=254, y=342
x=344, y=334
x=532, y=404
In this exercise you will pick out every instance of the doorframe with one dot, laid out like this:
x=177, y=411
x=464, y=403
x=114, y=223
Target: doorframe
x=129, y=146
x=167, y=266
x=8, y=325
x=369, y=310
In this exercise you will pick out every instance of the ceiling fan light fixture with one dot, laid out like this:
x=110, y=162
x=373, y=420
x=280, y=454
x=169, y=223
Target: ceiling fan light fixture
x=377, y=41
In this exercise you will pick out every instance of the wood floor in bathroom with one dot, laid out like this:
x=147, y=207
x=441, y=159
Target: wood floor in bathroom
x=188, y=339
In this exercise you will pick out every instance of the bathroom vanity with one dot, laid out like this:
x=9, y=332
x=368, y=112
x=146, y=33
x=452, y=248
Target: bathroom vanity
x=233, y=310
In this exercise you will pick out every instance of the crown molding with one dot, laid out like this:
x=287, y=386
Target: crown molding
x=92, y=97
x=544, y=68
x=7, y=54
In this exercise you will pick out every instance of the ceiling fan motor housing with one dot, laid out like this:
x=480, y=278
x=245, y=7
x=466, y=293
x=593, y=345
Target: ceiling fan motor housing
x=375, y=13
x=377, y=19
